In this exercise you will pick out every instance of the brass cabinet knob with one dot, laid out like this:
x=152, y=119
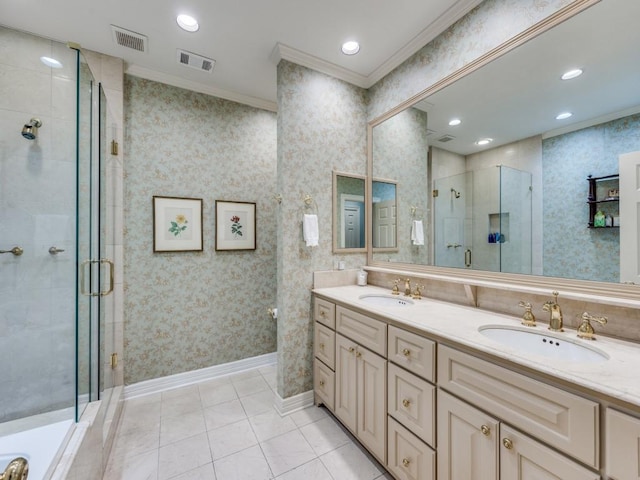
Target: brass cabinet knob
x=321, y=383
x=406, y=462
x=508, y=444
x=321, y=346
x=406, y=403
x=351, y=349
x=323, y=313
x=406, y=352
x=486, y=431
x=358, y=354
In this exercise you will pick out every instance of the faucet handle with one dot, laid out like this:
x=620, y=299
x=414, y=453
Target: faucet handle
x=417, y=294
x=528, y=319
x=585, y=330
x=396, y=290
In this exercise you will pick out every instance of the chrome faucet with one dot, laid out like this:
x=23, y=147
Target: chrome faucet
x=555, y=318
x=18, y=469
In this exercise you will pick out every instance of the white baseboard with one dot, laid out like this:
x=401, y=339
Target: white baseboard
x=286, y=406
x=170, y=382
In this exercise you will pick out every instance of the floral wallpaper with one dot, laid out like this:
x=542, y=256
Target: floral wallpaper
x=185, y=311
x=567, y=161
x=321, y=128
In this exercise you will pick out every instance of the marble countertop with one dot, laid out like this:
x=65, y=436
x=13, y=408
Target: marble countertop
x=617, y=377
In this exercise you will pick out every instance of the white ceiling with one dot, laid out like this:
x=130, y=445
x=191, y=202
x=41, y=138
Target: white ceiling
x=242, y=36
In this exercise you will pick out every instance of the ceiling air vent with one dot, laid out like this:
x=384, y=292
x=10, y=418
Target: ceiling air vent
x=446, y=138
x=196, y=61
x=129, y=39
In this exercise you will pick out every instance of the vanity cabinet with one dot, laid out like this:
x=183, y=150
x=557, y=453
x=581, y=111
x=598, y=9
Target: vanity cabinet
x=475, y=445
x=622, y=450
x=361, y=394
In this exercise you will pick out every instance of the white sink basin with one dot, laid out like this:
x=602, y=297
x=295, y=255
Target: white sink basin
x=541, y=343
x=385, y=300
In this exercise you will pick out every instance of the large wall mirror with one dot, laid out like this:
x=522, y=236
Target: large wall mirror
x=504, y=188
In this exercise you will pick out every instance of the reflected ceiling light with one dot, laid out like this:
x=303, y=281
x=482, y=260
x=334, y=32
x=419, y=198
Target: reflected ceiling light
x=455, y=121
x=563, y=115
x=51, y=62
x=576, y=72
x=484, y=141
x=188, y=23
x=350, y=48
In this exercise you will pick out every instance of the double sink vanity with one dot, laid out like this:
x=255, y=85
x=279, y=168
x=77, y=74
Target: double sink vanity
x=441, y=391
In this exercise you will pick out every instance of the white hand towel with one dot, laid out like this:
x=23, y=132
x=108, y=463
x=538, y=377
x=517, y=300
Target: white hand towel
x=310, y=230
x=417, y=232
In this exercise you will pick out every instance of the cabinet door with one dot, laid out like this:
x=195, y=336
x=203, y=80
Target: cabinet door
x=622, y=446
x=372, y=401
x=522, y=458
x=323, y=384
x=467, y=441
x=345, y=389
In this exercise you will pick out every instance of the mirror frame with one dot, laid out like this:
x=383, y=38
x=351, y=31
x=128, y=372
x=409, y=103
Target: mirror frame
x=335, y=207
x=619, y=294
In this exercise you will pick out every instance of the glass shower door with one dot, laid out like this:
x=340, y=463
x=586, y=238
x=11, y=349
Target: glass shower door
x=452, y=246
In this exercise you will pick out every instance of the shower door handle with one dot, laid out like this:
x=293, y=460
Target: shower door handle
x=467, y=257
x=111, y=276
x=83, y=269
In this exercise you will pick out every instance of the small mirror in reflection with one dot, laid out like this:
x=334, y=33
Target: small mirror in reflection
x=349, y=212
x=384, y=214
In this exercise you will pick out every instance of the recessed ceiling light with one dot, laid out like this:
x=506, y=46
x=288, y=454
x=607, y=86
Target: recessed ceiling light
x=576, y=72
x=350, y=48
x=455, y=121
x=563, y=115
x=188, y=23
x=484, y=141
x=51, y=62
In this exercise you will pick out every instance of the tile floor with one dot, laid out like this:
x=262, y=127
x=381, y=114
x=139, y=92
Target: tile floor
x=228, y=429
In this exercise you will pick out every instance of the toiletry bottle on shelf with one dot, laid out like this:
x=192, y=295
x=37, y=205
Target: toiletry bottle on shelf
x=598, y=219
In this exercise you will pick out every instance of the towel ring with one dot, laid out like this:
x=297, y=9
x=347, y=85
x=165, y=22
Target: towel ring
x=310, y=202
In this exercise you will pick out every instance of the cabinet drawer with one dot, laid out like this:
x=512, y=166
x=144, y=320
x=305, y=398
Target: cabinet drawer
x=413, y=352
x=324, y=345
x=366, y=331
x=561, y=419
x=411, y=401
x=622, y=445
x=408, y=458
x=324, y=383
x=324, y=312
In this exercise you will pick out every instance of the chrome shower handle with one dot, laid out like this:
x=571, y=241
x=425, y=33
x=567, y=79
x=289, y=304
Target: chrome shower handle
x=17, y=251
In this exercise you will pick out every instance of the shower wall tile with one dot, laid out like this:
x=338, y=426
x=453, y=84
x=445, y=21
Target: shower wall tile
x=37, y=200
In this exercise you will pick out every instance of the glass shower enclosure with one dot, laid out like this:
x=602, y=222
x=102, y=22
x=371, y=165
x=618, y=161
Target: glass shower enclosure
x=53, y=276
x=483, y=220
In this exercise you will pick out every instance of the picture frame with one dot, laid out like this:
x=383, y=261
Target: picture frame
x=177, y=224
x=235, y=225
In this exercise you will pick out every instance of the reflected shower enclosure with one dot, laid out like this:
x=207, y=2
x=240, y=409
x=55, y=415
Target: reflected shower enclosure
x=483, y=220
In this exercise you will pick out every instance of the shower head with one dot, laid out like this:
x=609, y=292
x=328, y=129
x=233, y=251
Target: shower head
x=30, y=130
x=455, y=193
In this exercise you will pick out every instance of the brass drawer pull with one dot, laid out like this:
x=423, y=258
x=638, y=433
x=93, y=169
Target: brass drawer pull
x=321, y=383
x=406, y=403
x=321, y=346
x=406, y=462
x=323, y=313
x=486, y=431
x=406, y=352
x=508, y=444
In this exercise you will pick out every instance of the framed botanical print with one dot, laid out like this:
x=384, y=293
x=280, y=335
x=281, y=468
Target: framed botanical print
x=235, y=225
x=177, y=224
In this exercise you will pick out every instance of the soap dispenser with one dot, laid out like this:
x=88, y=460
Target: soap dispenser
x=362, y=277
x=599, y=219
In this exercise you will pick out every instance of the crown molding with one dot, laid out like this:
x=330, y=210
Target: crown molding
x=591, y=122
x=285, y=52
x=138, y=71
x=444, y=21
